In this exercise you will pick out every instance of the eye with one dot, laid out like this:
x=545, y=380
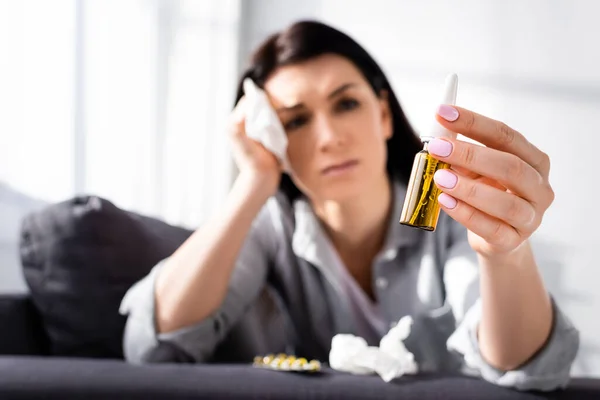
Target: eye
x=347, y=105
x=295, y=123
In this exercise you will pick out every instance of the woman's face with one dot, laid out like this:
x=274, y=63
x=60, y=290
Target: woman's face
x=337, y=127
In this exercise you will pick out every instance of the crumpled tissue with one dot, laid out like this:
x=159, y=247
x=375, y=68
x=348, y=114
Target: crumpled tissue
x=350, y=353
x=263, y=124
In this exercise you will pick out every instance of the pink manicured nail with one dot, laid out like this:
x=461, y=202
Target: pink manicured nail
x=445, y=178
x=447, y=201
x=440, y=147
x=447, y=112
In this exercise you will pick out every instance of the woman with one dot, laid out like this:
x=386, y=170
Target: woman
x=323, y=246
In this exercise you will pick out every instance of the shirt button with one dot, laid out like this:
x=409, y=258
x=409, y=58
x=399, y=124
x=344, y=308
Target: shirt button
x=381, y=282
x=390, y=254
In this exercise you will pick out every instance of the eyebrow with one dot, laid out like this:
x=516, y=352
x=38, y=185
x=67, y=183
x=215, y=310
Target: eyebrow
x=331, y=95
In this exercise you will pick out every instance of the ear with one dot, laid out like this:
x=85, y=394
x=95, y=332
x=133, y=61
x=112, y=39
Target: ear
x=386, y=114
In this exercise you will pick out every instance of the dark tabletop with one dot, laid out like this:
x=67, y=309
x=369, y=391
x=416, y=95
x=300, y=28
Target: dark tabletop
x=61, y=378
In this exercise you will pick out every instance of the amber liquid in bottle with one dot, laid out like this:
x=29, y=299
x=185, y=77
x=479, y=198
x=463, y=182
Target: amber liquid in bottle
x=421, y=208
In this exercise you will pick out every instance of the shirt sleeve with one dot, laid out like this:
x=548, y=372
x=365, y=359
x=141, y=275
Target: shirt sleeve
x=141, y=339
x=548, y=369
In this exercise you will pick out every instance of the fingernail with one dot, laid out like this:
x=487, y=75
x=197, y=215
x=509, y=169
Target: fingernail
x=447, y=112
x=445, y=178
x=447, y=201
x=440, y=147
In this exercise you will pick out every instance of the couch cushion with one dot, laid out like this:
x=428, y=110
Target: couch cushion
x=79, y=258
x=21, y=331
x=64, y=379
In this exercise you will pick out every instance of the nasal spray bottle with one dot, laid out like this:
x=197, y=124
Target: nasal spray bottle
x=421, y=207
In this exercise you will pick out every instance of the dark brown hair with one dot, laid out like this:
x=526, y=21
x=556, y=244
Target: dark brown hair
x=305, y=40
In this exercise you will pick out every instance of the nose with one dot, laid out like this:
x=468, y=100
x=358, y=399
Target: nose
x=329, y=135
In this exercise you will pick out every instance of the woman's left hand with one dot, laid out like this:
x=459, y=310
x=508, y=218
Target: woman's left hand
x=500, y=192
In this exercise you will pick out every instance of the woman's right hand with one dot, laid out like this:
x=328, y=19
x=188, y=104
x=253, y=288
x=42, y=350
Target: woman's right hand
x=254, y=161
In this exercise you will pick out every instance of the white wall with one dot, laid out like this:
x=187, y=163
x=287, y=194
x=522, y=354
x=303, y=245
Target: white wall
x=534, y=65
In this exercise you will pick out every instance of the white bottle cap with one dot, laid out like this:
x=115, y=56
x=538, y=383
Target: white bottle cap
x=449, y=97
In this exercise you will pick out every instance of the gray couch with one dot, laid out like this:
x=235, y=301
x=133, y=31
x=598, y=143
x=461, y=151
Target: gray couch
x=62, y=340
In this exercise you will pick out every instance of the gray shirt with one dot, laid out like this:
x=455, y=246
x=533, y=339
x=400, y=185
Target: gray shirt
x=289, y=293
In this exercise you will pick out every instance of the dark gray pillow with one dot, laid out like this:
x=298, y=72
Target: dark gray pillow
x=22, y=332
x=79, y=258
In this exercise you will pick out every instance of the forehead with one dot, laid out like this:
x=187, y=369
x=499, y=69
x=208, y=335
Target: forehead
x=315, y=77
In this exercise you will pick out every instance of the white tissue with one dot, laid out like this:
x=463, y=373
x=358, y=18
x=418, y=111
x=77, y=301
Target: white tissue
x=263, y=124
x=392, y=344
x=345, y=350
x=390, y=360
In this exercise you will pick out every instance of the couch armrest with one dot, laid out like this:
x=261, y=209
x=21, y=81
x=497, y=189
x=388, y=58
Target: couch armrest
x=21, y=329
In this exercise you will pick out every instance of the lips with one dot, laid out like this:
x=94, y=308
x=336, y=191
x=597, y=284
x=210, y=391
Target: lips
x=340, y=168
